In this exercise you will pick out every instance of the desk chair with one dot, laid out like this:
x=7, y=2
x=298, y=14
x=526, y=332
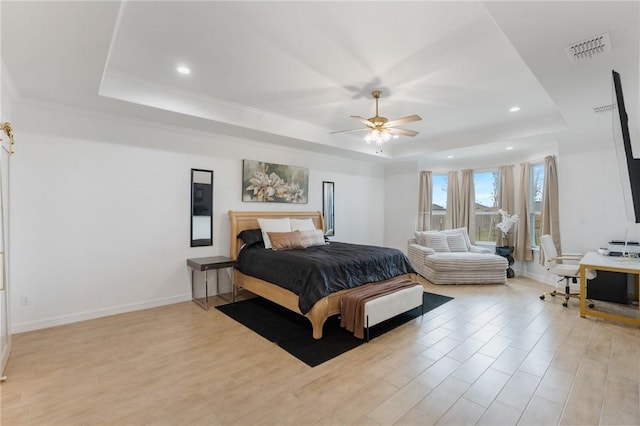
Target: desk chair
x=566, y=271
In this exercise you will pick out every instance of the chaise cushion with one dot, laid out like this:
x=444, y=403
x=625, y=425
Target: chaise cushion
x=465, y=268
x=452, y=262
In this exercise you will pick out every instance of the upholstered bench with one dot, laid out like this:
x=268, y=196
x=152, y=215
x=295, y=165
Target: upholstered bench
x=372, y=304
x=391, y=305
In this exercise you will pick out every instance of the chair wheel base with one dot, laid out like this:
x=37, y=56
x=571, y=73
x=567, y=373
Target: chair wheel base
x=591, y=306
x=565, y=304
x=542, y=297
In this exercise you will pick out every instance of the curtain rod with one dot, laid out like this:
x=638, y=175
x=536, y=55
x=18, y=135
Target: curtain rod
x=537, y=159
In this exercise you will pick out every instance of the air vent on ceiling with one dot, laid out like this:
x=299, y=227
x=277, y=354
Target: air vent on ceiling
x=604, y=108
x=589, y=48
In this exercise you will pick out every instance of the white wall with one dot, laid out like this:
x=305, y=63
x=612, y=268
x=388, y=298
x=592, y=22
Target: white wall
x=401, y=210
x=101, y=209
x=7, y=95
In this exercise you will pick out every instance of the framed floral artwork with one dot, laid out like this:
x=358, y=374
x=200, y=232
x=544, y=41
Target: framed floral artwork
x=274, y=183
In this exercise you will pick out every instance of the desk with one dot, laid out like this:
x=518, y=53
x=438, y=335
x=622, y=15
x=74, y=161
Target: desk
x=593, y=260
x=205, y=264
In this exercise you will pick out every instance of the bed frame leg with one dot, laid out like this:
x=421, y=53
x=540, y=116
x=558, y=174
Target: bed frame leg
x=318, y=315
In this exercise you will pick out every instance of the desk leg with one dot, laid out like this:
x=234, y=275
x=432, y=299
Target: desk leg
x=583, y=291
x=233, y=287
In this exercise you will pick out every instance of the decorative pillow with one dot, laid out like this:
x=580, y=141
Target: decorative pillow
x=286, y=240
x=438, y=242
x=251, y=236
x=312, y=238
x=465, y=235
x=421, y=237
x=456, y=242
x=302, y=224
x=273, y=225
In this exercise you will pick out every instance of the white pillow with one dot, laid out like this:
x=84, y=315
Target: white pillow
x=312, y=238
x=273, y=225
x=302, y=225
x=464, y=233
x=438, y=242
x=456, y=242
x=421, y=237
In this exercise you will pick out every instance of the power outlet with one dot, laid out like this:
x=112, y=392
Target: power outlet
x=25, y=301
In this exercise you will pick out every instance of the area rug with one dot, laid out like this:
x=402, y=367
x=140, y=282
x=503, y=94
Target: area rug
x=292, y=332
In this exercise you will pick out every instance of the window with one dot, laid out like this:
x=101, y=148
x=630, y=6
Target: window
x=486, y=209
x=536, y=183
x=438, y=201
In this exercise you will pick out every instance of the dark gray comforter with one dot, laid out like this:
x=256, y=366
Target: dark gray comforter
x=316, y=272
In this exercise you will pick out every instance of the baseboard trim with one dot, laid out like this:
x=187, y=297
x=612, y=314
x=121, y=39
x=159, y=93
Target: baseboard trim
x=99, y=313
x=540, y=278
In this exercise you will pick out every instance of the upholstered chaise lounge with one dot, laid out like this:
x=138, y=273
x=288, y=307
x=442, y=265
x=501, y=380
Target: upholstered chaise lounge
x=448, y=257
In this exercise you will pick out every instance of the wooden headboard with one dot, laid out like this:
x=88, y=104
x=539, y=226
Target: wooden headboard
x=241, y=220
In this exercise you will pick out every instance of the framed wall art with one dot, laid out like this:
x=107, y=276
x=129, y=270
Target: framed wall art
x=274, y=183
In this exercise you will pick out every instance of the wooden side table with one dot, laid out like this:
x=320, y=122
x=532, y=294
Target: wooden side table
x=205, y=264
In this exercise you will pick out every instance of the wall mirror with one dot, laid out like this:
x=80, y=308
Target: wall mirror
x=327, y=208
x=201, y=207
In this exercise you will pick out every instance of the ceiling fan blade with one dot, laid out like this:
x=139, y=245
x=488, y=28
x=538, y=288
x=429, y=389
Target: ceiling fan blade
x=403, y=132
x=403, y=120
x=350, y=130
x=363, y=120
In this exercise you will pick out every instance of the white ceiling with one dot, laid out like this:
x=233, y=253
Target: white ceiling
x=290, y=73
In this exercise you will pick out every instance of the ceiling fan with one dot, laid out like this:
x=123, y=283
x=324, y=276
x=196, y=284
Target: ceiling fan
x=380, y=128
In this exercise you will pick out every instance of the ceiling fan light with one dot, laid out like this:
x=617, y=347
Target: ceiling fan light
x=377, y=136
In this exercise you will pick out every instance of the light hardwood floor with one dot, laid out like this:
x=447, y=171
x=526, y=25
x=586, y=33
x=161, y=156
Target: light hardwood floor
x=494, y=355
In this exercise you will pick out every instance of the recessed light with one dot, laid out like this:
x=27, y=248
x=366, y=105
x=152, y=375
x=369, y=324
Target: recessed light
x=396, y=136
x=515, y=108
x=449, y=156
x=183, y=70
x=509, y=148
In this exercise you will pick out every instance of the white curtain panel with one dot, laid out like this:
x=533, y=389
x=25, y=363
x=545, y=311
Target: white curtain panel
x=506, y=201
x=452, y=218
x=550, y=204
x=424, y=202
x=523, y=250
x=467, y=216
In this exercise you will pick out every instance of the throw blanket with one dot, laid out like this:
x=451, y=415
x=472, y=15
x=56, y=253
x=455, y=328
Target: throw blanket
x=352, y=308
x=316, y=272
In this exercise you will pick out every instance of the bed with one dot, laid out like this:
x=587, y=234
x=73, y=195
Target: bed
x=323, y=307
